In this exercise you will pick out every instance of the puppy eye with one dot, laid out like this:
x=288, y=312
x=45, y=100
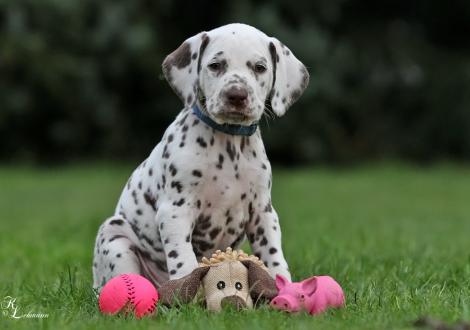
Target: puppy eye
x=238, y=286
x=215, y=66
x=259, y=68
x=220, y=285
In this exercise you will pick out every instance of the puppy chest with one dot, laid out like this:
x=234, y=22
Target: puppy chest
x=234, y=182
x=218, y=228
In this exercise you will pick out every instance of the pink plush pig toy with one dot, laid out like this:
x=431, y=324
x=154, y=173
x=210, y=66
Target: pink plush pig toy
x=314, y=295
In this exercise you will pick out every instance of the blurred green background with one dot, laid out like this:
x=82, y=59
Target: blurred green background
x=82, y=79
x=81, y=85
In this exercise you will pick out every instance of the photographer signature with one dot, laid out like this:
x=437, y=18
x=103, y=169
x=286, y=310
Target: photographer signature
x=11, y=309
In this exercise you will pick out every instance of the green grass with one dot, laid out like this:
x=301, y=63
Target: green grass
x=397, y=238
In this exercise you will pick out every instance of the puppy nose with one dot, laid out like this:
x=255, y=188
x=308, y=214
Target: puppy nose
x=236, y=96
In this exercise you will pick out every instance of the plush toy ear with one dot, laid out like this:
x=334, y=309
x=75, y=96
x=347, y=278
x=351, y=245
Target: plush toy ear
x=181, y=68
x=182, y=290
x=261, y=284
x=309, y=286
x=290, y=77
x=281, y=281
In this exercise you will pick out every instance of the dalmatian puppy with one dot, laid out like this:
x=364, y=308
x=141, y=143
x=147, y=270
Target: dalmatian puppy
x=207, y=184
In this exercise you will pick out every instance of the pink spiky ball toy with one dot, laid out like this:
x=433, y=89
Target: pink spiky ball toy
x=128, y=293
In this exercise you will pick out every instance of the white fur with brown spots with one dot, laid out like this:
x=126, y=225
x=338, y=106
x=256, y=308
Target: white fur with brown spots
x=200, y=189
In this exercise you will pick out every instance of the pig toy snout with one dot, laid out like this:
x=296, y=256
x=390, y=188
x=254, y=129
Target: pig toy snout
x=285, y=303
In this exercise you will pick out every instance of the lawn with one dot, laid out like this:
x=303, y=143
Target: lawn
x=396, y=237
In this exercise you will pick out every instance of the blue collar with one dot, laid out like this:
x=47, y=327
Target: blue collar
x=231, y=129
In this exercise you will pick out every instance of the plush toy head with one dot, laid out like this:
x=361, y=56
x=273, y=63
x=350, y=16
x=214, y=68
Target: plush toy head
x=227, y=278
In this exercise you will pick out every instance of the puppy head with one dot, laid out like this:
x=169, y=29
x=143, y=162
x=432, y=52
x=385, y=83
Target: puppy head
x=233, y=71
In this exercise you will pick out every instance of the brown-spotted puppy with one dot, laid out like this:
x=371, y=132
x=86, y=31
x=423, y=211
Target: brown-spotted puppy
x=207, y=184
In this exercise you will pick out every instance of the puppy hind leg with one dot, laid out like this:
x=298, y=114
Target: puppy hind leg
x=114, y=251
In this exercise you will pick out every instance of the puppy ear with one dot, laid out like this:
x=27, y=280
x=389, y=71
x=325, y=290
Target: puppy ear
x=261, y=284
x=181, y=68
x=182, y=290
x=290, y=77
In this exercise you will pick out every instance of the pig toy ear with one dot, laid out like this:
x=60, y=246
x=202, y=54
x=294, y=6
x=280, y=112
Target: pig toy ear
x=309, y=286
x=281, y=281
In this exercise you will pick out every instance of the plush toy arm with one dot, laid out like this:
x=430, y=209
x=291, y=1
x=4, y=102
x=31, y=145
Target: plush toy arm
x=182, y=290
x=262, y=286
